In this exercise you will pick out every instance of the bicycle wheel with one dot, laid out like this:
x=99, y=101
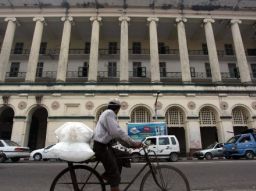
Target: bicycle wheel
x=87, y=178
x=168, y=177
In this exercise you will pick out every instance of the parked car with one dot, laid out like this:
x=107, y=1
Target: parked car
x=13, y=151
x=242, y=145
x=213, y=150
x=43, y=154
x=164, y=146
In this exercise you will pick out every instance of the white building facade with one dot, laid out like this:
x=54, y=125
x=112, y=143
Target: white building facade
x=64, y=61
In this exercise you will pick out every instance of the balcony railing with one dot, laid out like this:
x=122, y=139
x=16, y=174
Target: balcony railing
x=15, y=75
x=170, y=75
x=107, y=74
x=76, y=74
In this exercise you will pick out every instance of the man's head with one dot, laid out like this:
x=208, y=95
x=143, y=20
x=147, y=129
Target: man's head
x=114, y=105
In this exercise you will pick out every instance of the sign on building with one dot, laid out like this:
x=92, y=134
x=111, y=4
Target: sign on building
x=138, y=131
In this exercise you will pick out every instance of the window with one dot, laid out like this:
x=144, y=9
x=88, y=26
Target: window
x=207, y=117
x=136, y=48
x=251, y=52
x=240, y=117
x=173, y=141
x=164, y=141
x=245, y=139
x=14, y=70
x=83, y=71
x=253, y=67
x=174, y=117
x=140, y=114
x=208, y=70
x=1, y=144
x=150, y=141
x=138, y=71
x=162, y=69
x=205, y=49
x=87, y=47
x=233, y=70
x=229, y=49
x=18, y=48
x=112, y=69
x=43, y=47
x=39, y=69
x=112, y=48
x=192, y=71
x=161, y=48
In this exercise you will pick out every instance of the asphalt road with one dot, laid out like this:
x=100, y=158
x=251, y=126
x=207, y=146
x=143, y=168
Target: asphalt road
x=216, y=175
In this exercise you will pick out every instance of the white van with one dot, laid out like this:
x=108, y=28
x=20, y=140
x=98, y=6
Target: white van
x=165, y=146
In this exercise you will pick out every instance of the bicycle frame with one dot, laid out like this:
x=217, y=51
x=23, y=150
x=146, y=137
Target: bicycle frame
x=148, y=163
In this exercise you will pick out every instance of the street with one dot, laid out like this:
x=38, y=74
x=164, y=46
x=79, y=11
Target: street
x=215, y=175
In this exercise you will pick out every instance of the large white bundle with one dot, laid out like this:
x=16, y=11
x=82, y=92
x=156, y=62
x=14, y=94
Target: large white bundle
x=75, y=152
x=74, y=140
x=74, y=132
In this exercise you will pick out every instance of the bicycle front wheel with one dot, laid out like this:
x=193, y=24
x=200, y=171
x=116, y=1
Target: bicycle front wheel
x=87, y=180
x=168, y=178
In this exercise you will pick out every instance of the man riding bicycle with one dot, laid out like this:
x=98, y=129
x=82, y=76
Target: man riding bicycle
x=107, y=130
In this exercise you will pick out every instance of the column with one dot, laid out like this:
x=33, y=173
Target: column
x=240, y=53
x=212, y=51
x=7, y=47
x=64, y=49
x=226, y=128
x=124, y=52
x=35, y=48
x=154, y=55
x=183, y=49
x=94, y=51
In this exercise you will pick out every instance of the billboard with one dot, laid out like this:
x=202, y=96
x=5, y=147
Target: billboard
x=138, y=131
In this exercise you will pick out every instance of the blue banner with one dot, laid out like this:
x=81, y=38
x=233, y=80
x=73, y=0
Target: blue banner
x=138, y=131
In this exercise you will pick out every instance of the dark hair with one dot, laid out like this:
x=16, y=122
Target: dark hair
x=113, y=106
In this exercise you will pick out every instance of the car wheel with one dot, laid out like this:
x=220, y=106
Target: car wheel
x=16, y=159
x=249, y=155
x=208, y=156
x=135, y=157
x=174, y=157
x=2, y=158
x=37, y=157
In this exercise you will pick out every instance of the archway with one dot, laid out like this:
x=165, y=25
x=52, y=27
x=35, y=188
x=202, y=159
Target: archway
x=174, y=117
x=240, y=117
x=140, y=114
x=38, y=127
x=6, y=122
x=208, y=127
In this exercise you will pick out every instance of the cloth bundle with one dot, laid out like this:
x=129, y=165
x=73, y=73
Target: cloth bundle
x=74, y=142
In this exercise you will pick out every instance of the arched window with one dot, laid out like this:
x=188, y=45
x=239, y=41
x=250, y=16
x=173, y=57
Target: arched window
x=99, y=112
x=207, y=117
x=140, y=115
x=240, y=116
x=174, y=117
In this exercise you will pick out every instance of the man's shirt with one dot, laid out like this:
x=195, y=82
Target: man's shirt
x=107, y=129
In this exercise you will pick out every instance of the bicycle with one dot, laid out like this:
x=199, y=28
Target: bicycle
x=86, y=178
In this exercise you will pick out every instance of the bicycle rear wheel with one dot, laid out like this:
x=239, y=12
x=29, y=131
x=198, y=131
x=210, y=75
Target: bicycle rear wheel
x=87, y=180
x=169, y=178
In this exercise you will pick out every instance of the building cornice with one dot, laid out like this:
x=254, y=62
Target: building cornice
x=132, y=12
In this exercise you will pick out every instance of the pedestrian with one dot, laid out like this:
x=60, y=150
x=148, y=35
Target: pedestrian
x=107, y=130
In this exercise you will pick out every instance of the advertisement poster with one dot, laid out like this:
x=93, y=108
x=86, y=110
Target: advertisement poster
x=139, y=131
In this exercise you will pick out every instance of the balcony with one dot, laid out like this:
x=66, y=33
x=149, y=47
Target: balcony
x=15, y=76
x=46, y=76
x=106, y=76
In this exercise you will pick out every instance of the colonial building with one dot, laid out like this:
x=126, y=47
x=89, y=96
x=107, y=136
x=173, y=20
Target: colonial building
x=64, y=60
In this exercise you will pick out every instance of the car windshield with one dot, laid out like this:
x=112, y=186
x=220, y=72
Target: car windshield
x=49, y=146
x=233, y=139
x=11, y=143
x=211, y=146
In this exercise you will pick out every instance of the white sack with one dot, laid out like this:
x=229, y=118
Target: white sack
x=74, y=139
x=75, y=152
x=74, y=132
